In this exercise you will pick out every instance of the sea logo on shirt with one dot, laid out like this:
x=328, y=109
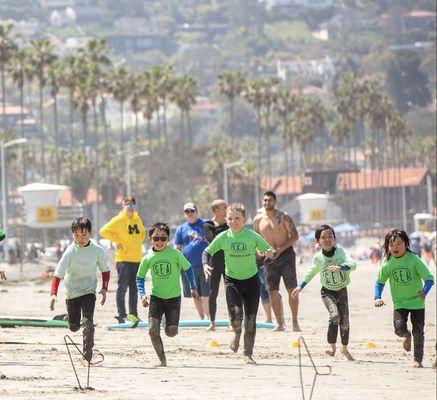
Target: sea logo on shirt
x=401, y=275
x=333, y=278
x=238, y=247
x=161, y=268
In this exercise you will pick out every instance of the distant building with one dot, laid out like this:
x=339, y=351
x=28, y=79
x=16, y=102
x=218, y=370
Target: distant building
x=320, y=67
x=302, y=3
x=137, y=26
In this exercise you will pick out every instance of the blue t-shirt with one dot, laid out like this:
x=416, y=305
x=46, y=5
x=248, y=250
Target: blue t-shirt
x=192, y=240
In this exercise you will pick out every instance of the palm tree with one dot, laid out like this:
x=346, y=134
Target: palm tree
x=42, y=56
x=135, y=98
x=149, y=102
x=285, y=107
x=231, y=85
x=7, y=49
x=120, y=85
x=163, y=80
x=54, y=81
x=18, y=72
x=184, y=96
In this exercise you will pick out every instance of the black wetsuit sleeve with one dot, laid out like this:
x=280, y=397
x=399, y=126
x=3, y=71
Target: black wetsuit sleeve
x=206, y=259
x=208, y=231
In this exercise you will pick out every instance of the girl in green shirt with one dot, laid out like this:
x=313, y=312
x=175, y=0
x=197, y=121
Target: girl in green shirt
x=410, y=282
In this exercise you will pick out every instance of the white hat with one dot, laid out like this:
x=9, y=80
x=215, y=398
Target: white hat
x=190, y=206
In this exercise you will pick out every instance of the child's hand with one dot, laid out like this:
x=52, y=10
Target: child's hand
x=334, y=268
x=379, y=303
x=2, y=275
x=145, y=301
x=195, y=295
x=295, y=292
x=422, y=294
x=207, y=270
x=271, y=253
x=52, y=302
x=103, y=293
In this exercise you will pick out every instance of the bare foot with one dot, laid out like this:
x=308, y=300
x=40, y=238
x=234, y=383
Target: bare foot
x=235, y=342
x=211, y=327
x=417, y=364
x=332, y=351
x=434, y=363
x=296, y=327
x=163, y=363
x=249, y=360
x=346, y=353
x=407, y=343
x=279, y=328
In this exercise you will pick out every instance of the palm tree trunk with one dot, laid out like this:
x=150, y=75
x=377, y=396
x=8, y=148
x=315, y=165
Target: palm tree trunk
x=55, y=116
x=3, y=100
x=164, y=122
x=182, y=126
x=149, y=131
x=231, y=119
x=71, y=131
x=96, y=164
x=41, y=114
x=189, y=128
x=85, y=135
x=287, y=172
x=136, y=127
x=23, y=150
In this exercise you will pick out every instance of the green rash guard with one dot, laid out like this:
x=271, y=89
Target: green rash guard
x=331, y=280
x=165, y=267
x=239, y=249
x=405, y=275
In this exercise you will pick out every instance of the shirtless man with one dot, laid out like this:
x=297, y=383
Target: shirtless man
x=278, y=229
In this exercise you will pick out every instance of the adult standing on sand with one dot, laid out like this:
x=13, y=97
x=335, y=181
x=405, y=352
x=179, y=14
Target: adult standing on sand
x=278, y=230
x=127, y=231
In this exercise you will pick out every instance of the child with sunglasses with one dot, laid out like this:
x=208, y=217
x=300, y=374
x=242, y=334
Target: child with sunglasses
x=165, y=265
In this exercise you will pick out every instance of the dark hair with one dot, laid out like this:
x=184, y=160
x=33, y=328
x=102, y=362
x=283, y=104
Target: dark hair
x=270, y=194
x=390, y=237
x=159, y=226
x=322, y=228
x=129, y=199
x=81, y=224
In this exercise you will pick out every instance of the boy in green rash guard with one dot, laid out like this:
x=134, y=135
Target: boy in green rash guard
x=334, y=267
x=239, y=245
x=165, y=265
x=410, y=282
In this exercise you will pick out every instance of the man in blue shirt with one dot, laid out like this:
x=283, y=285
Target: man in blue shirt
x=190, y=238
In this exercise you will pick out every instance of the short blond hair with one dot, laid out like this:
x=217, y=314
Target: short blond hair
x=237, y=207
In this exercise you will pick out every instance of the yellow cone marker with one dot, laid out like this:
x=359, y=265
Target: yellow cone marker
x=369, y=345
x=213, y=343
x=295, y=344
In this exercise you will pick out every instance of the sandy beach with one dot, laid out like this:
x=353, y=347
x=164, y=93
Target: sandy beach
x=40, y=368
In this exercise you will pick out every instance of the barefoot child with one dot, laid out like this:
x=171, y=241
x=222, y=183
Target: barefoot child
x=406, y=273
x=165, y=265
x=239, y=245
x=334, y=267
x=79, y=265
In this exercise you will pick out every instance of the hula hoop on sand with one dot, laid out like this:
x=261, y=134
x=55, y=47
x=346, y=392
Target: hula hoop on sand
x=189, y=324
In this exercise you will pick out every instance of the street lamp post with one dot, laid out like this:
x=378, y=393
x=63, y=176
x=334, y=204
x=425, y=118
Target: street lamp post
x=226, y=166
x=4, y=146
x=128, y=161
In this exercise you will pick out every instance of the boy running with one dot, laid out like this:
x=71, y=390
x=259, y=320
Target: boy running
x=79, y=265
x=334, y=267
x=410, y=281
x=165, y=265
x=239, y=245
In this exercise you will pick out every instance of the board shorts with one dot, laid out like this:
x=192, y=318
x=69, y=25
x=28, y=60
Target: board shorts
x=201, y=283
x=283, y=266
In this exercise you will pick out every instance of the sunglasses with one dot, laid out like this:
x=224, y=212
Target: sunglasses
x=159, y=238
x=189, y=211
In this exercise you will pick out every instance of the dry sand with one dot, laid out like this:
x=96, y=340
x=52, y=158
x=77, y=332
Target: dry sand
x=41, y=368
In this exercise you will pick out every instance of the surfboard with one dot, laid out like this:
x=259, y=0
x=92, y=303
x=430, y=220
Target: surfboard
x=32, y=321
